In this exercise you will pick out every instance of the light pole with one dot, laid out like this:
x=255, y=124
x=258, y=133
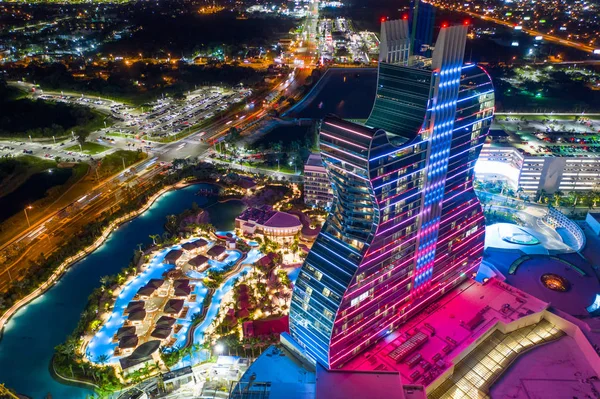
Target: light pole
x=27, y=216
x=218, y=349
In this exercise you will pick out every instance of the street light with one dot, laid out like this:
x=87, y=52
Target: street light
x=219, y=349
x=26, y=216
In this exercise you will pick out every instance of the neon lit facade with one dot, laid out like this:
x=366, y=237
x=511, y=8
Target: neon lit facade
x=405, y=226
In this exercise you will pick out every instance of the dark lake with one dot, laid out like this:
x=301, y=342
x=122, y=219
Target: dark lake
x=33, y=189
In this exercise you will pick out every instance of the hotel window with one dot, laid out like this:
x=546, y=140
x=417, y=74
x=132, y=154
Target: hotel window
x=326, y=292
x=327, y=313
x=318, y=275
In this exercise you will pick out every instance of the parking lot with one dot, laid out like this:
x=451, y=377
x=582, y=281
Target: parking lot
x=547, y=135
x=135, y=128
x=163, y=117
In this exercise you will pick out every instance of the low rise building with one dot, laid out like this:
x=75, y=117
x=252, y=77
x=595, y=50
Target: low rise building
x=268, y=222
x=217, y=252
x=543, y=169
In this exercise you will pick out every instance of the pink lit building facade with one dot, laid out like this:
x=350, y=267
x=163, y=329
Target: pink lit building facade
x=405, y=225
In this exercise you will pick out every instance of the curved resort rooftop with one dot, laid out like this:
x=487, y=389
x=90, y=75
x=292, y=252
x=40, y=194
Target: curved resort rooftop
x=525, y=239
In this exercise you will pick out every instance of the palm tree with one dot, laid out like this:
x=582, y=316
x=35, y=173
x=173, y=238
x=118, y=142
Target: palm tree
x=541, y=195
x=287, y=295
x=102, y=359
x=574, y=197
x=503, y=186
x=154, y=237
x=595, y=198
x=105, y=280
x=519, y=191
x=557, y=197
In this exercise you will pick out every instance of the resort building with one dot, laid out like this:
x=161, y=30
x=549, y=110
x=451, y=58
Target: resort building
x=405, y=225
x=137, y=317
x=176, y=378
x=198, y=261
x=128, y=343
x=551, y=171
x=145, y=354
x=150, y=289
x=161, y=333
x=133, y=306
x=217, y=252
x=182, y=288
x=383, y=306
x=317, y=188
x=173, y=255
x=268, y=222
x=174, y=307
x=123, y=332
x=195, y=246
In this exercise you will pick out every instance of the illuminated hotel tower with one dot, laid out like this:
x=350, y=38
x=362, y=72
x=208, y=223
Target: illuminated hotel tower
x=405, y=226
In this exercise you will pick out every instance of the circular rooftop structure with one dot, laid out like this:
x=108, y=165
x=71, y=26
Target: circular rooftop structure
x=520, y=237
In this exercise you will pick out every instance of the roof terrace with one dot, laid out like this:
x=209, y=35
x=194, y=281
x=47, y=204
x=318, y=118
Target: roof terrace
x=430, y=343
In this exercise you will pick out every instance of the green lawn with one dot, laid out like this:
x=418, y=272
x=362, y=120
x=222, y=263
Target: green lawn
x=123, y=135
x=88, y=148
x=113, y=163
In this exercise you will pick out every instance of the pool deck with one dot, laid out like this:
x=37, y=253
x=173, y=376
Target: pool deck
x=102, y=342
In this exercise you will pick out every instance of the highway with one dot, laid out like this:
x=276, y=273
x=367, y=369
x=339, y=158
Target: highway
x=531, y=32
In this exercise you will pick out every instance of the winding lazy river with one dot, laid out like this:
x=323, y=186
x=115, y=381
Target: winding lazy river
x=32, y=333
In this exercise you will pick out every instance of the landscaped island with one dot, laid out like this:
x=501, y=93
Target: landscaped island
x=191, y=288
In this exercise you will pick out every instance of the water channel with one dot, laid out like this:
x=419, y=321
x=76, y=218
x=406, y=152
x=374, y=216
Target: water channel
x=31, y=335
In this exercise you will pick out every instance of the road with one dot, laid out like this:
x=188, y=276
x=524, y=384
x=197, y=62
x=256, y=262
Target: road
x=50, y=233
x=531, y=32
